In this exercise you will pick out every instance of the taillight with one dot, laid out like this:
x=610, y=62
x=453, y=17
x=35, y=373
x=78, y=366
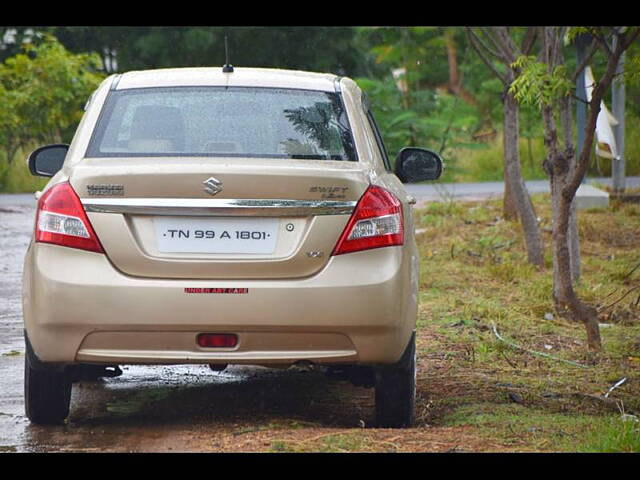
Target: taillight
x=376, y=222
x=61, y=220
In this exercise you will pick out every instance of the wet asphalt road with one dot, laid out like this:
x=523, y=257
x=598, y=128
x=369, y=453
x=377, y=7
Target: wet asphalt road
x=16, y=219
x=482, y=190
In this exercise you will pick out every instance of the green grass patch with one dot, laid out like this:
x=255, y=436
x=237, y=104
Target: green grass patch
x=522, y=426
x=474, y=274
x=487, y=164
x=15, y=176
x=612, y=435
x=340, y=442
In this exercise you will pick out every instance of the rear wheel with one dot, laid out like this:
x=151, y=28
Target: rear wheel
x=396, y=391
x=47, y=390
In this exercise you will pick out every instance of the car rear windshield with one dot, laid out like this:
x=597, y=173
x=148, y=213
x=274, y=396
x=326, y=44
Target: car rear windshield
x=223, y=121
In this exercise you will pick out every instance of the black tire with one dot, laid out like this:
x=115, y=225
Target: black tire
x=47, y=390
x=396, y=391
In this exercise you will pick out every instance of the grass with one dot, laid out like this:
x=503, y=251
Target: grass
x=474, y=273
x=324, y=443
x=15, y=177
x=550, y=431
x=486, y=164
x=612, y=435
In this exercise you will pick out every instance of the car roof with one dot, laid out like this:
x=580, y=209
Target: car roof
x=240, y=77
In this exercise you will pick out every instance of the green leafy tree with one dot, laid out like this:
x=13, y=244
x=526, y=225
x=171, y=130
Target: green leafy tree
x=325, y=49
x=438, y=121
x=544, y=81
x=42, y=90
x=417, y=90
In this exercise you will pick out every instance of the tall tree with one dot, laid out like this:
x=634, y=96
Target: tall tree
x=304, y=48
x=545, y=82
x=420, y=106
x=455, y=84
x=42, y=92
x=498, y=43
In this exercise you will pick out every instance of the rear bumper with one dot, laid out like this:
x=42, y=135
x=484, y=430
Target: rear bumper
x=361, y=308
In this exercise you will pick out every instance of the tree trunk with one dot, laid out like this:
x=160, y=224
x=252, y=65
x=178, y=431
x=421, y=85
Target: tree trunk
x=574, y=243
x=566, y=172
x=455, y=84
x=517, y=202
x=518, y=191
x=509, y=205
x=559, y=167
x=509, y=208
x=12, y=150
x=567, y=302
x=574, y=240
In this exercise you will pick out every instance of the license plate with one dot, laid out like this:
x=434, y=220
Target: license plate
x=216, y=235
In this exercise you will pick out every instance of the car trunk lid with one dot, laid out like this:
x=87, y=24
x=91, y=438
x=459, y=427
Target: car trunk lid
x=167, y=217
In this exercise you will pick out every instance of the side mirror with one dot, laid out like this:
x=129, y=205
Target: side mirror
x=47, y=161
x=418, y=164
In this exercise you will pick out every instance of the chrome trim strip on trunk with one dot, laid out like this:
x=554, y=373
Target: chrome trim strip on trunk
x=218, y=207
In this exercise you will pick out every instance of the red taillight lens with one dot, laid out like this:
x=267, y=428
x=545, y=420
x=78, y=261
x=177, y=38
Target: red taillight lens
x=217, y=340
x=376, y=222
x=61, y=220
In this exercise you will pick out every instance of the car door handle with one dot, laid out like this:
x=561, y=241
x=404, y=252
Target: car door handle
x=411, y=200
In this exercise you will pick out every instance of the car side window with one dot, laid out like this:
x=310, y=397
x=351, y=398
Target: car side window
x=376, y=133
x=381, y=147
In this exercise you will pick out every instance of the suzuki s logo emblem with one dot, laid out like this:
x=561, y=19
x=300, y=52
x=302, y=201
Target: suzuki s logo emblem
x=212, y=186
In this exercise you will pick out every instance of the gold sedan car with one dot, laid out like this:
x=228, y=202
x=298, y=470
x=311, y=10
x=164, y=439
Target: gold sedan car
x=245, y=216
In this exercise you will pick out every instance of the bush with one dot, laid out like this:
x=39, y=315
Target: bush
x=42, y=92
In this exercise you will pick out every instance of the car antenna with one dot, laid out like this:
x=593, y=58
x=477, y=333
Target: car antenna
x=226, y=68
